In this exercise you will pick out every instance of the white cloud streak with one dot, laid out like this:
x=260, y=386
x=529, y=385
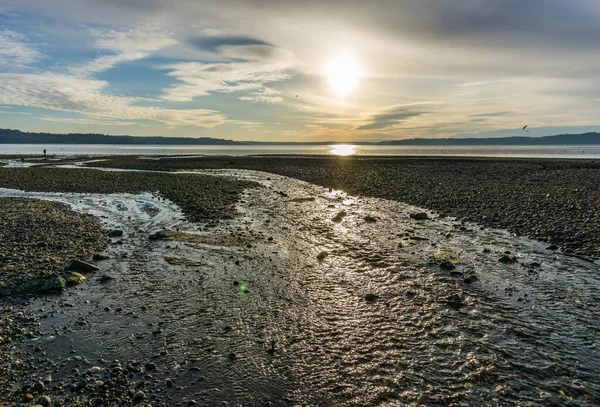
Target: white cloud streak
x=87, y=97
x=15, y=52
x=248, y=67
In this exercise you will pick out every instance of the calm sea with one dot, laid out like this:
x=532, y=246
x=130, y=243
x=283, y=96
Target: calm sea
x=566, y=151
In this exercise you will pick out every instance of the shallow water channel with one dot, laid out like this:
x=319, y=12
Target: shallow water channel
x=245, y=313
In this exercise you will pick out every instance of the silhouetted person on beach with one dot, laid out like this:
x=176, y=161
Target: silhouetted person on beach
x=44, y=153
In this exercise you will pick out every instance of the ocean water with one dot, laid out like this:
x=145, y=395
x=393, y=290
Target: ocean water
x=566, y=151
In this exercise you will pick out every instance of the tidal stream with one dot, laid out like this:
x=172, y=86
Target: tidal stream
x=289, y=304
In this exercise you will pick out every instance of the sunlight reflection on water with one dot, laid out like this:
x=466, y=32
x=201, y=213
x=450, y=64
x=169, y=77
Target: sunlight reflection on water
x=343, y=149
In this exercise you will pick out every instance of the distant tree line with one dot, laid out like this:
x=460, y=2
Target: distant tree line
x=8, y=136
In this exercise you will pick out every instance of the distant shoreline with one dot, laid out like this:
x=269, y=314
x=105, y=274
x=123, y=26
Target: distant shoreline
x=9, y=136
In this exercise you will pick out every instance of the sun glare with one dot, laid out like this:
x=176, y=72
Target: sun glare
x=343, y=149
x=343, y=73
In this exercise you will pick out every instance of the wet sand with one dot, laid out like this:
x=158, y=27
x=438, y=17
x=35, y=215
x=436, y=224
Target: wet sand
x=314, y=297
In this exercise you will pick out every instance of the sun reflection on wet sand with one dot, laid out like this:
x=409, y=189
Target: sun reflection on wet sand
x=343, y=149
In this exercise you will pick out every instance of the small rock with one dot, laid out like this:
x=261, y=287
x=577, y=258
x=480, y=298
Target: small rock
x=322, y=255
x=339, y=217
x=470, y=279
x=99, y=257
x=115, y=233
x=163, y=234
x=139, y=395
x=94, y=369
x=371, y=297
x=75, y=278
x=39, y=387
x=44, y=401
x=447, y=266
x=419, y=216
x=150, y=366
x=505, y=258
x=78, y=265
x=552, y=247
x=370, y=219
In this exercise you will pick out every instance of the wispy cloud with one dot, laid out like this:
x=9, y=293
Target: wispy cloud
x=86, y=121
x=395, y=115
x=89, y=97
x=264, y=95
x=123, y=46
x=246, y=68
x=15, y=51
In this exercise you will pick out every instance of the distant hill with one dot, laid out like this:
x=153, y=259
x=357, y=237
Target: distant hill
x=8, y=136
x=561, y=139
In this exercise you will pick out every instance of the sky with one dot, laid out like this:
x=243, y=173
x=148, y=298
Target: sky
x=277, y=70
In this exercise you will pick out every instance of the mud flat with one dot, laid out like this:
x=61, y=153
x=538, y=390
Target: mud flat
x=556, y=201
x=313, y=297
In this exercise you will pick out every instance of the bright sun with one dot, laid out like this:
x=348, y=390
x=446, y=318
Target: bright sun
x=343, y=73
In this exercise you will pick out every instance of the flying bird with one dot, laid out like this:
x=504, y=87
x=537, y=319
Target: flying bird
x=524, y=127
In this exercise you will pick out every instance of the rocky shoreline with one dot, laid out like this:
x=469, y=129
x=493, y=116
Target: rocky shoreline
x=556, y=201
x=45, y=247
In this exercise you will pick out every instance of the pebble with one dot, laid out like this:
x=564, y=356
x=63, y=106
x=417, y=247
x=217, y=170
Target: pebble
x=44, y=401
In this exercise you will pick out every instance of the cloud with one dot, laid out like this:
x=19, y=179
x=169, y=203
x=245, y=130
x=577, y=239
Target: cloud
x=15, y=52
x=86, y=121
x=264, y=95
x=212, y=41
x=246, y=68
x=88, y=97
x=124, y=46
x=395, y=115
x=491, y=114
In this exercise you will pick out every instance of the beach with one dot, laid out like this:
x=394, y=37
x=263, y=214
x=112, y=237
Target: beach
x=378, y=281
x=556, y=201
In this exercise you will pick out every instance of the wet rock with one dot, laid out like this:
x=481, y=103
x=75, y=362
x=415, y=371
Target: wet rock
x=75, y=279
x=162, y=235
x=100, y=257
x=470, y=279
x=506, y=258
x=115, y=233
x=140, y=395
x=552, y=247
x=446, y=256
x=339, y=216
x=44, y=401
x=82, y=266
x=419, y=216
x=150, y=366
x=322, y=255
x=38, y=387
x=105, y=278
x=455, y=301
x=371, y=297
x=41, y=285
x=447, y=266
